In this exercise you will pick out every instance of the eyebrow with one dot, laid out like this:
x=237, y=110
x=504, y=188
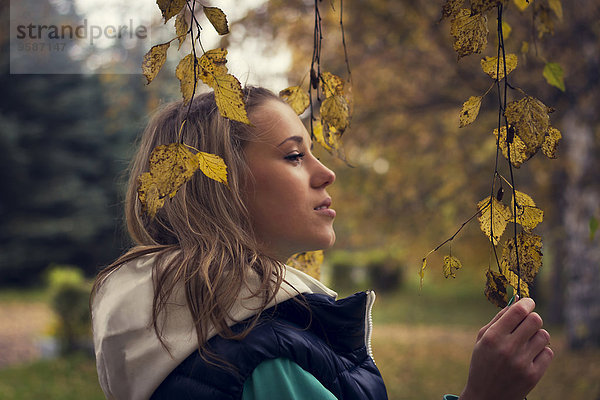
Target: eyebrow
x=297, y=139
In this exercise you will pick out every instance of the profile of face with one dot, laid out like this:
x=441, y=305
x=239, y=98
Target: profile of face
x=285, y=190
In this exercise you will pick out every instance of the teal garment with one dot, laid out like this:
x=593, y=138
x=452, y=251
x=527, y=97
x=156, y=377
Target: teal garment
x=450, y=397
x=283, y=379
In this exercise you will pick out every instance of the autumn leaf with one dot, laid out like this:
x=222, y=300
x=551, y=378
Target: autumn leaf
x=495, y=289
x=489, y=65
x=422, y=272
x=481, y=6
x=331, y=84
x=529, y=116
x=187, y=79
x=212, y=166
x=513, y=279
x=170, y=167
x=296, y=98
x=451, y=265
x=469, y=32
x=528, y=215
x=518, y=150
x=550, y=145
x=522, y=4
x=230, y=98
x=554, y=75
x=319, y=135
x=506, y=30
x=556, y=7
x=334, y=112
x=308, y=262
x=530, y=256
x=451, y=8
x=524, y=47
x=154, y=60
x=170, y=8
x=212, y=65
x=470, y=110
x=493, y=218
x=218, y=19
x=181, y=28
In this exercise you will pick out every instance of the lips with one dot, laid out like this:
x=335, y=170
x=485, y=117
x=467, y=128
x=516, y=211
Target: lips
x=324, y=209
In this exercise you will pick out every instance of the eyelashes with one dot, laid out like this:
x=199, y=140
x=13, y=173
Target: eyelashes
x=296, y=157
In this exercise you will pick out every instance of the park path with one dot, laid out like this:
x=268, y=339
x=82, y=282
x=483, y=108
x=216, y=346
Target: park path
x=22, y=326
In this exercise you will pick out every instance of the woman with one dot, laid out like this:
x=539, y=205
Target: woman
x=204, y=307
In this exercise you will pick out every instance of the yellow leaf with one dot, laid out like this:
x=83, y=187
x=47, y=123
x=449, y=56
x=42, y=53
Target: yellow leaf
x=513, y=279
x=218, y=19
x=550, y=144
x=296, y=98
x=318, y=135
x=556, y=6
x=331, y=84
x=506, y=29
x=530, y=256
x=524, y=47
x=528, y=215
x=187, y=78
x=489, y=65
x=554, y=75
x=422, y=272
x=518, y=150
x=170, y=8
x=481, y=6
x=451, y=265
x=521, y=4
x=470, y=110
x=170, y=167
x=181, y=28
x=230, y=98
x=154, y=60
x=495, y=289
x=451, y=8
x=469, y=32
x=212, y=166
x=544, y=22
x=529, y=116
x=494, y=218
x=334, y=112
x=308, y=262
x=211, y=65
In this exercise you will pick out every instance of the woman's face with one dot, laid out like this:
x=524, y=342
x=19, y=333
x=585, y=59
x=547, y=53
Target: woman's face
x=286, y=190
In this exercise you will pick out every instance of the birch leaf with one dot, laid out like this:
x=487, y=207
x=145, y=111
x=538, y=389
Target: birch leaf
x=170, y=167
x=513, y=279
x=308, y=262
x=212, y=166
x=218, y=19
x=154, y=60
x=506, y=30
x=489, y=65
x=469, y=32
x=451, y=265
x=334, y=112
x=296, y=98
x=331, y=84
x=319, y=136
x=521, y=4
x=451, y=8
x=528, y=215
x=518, y=150
x=422, y=272
x=470, y=110
x=212, y=65
x=494, y=218
x=187, y=79
x=495, y=289
x=550, y=144
x=554, y=75
x=530, y=255
x=230, y=98
x=170, y=8
x=530, y=118
x=181, y=28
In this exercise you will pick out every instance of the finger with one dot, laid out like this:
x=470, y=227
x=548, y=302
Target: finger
x=537, y=343
x=527, y=328
x=496, y=317
x=515, y=314
x=542, y=360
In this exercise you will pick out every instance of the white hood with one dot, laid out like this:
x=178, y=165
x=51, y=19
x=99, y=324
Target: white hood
x=130, y=359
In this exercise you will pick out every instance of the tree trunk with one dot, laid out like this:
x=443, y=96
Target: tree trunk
x=581, y=255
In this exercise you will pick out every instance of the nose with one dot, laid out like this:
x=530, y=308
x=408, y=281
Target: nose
x=322, y=176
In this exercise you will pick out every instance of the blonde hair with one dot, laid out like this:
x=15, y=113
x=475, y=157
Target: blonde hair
x=203, y=236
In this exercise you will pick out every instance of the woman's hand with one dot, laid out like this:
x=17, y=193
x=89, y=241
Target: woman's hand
x=510, y=356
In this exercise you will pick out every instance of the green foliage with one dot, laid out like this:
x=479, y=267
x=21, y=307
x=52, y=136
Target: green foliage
x=69, y=297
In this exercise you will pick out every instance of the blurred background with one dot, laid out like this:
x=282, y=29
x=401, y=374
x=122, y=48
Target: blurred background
x=414, y=178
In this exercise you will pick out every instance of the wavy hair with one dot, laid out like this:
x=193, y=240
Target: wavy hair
x=203, y=236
